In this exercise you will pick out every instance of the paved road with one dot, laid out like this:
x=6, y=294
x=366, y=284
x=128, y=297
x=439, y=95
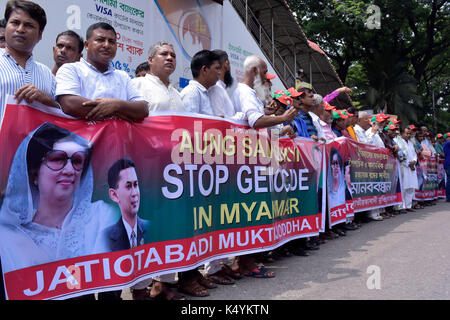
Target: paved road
x=410, y=253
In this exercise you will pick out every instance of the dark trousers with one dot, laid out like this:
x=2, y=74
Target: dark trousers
x=447, y=185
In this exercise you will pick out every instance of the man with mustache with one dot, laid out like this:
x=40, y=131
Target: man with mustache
x=20, y=75
x=92, y=89
x=68, y=48
x=251, y=92
x=155, y=86
x=160, y=94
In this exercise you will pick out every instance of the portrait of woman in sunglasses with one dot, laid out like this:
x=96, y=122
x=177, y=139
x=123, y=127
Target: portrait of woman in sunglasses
x=47, y=214
x=338, y=191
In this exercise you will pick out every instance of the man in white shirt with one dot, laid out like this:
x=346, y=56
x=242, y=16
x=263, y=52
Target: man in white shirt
x=373, y=138
x=20, y=75
x=378, y=123
x=205, y=69
x=155, y=86
x=362, y=126
x=91, y=89
x=249, y=103
x=315, y=113
x=409, y=175
x=221, y=103
x=161, y=95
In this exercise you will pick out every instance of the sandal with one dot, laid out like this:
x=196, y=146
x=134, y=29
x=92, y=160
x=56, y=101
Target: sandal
x=260, y=272
x=220, y=277
x=231, y=273
x=194, y=289
x=167, y=295
x=208, y=284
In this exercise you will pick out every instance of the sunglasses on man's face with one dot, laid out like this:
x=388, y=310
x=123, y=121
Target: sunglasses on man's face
x=56, y=160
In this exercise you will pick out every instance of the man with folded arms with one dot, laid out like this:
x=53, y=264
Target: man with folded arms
x=92, y=89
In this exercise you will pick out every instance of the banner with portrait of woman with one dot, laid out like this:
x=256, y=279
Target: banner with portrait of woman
x=190, y=188
x=431, y=179
x=360, y=177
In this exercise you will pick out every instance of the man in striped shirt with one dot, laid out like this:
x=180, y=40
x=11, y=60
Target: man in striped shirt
x=20, y=75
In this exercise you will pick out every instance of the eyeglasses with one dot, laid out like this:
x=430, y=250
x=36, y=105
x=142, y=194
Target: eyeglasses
x=56, y=160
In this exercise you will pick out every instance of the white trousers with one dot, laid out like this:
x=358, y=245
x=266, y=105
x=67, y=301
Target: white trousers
x=214, y=266
x=408, y=195
x=170, y=277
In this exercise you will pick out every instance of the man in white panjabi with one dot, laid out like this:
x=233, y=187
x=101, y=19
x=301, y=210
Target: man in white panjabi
x=409, y=175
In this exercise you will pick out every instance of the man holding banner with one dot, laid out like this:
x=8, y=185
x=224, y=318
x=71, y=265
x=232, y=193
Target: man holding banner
x=20, y=75
x=92, y=89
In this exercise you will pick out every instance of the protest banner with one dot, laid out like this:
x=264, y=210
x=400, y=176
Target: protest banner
x=200, y=188
x=431, y=179
x=360, y=177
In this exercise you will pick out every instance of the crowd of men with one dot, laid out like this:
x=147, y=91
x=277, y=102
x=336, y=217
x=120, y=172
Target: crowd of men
x=88, y=87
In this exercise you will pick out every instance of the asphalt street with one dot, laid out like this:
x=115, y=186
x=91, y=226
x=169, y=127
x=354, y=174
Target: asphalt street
x=404, y=257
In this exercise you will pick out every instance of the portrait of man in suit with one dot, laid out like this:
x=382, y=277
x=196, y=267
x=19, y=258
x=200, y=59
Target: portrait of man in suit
x=123, y=183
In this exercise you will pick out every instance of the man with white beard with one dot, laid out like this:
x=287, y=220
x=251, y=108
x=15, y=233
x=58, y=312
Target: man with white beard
x=249, y=94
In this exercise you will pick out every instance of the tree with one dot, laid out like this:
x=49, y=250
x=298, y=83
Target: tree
x=397, y=64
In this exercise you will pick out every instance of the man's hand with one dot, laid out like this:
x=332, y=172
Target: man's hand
x=344, y=89
x=289, y=115
x=375, y=127
x=314, y=137
x=102, y=108
x=287, y=130
x=30, y=93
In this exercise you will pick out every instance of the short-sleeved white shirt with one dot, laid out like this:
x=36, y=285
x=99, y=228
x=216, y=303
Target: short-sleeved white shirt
x=196, y=99
x=158, y=96
x=246, y=101
x=84, y=80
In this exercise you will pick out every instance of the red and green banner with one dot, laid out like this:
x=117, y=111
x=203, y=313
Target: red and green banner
x=360, y=177
x=89, y=207
x=431, y=179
